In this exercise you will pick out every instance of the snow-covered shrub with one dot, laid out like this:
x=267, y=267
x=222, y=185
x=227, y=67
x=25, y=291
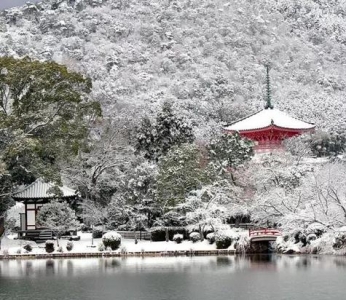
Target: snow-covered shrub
x=223, y=239
x=27, y=247
x=311, y=237
x=158, y=234
x=49, y=246
x=299, y=236
x=289, y=245
x=242, y=243
x=19, y=251
x=85, y=228
x=60, y=249
x=323, y=245
x=207, y=230
x=316, y=228
x=101, y=247
x=69, y=246
x=5, y=252
x=178, y=238
x=340, y=240
x=195, y=237
x=111, y=239
x=211, y=237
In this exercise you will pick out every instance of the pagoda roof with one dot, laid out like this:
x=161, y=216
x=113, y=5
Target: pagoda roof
x=40, y=190
x=269, y=117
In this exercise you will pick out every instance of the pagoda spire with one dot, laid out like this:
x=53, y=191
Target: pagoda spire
x=268, y=100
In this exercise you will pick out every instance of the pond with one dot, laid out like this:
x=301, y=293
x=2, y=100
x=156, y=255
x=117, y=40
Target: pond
x=176, y=278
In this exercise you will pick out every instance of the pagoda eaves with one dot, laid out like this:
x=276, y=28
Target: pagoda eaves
x=269, y=127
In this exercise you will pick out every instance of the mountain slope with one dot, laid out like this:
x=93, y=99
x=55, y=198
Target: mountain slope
x=206, y=56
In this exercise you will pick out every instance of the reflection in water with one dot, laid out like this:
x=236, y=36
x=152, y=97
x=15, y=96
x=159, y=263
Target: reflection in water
x=171, y=278
x=223, y=261
x=50, y=267
x=112, y=263
x=90, y=266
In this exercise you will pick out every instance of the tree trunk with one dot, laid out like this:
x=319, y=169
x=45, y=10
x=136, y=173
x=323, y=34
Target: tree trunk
x=167, y=235
x=2, y=225
x=92, y=235
x=2, y=229
x=201, y=232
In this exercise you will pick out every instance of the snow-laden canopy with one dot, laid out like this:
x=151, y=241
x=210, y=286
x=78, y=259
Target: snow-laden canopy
x=268, y=117
x=40, y=189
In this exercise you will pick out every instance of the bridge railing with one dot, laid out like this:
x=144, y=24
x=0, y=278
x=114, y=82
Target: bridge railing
x=266, y=231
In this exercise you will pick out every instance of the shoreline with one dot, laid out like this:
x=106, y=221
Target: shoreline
x=218, y=252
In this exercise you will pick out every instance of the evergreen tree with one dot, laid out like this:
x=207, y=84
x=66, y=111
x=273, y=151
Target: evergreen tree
x=45, y=114
x=180, y=172
x=327, y=144
x=155, y=140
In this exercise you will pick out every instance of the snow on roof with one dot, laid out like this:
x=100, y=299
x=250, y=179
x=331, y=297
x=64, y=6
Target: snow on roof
x=267, y=117
x=39, y=189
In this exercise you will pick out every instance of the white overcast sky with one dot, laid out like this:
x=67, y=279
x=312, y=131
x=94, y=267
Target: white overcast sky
x=11, y=3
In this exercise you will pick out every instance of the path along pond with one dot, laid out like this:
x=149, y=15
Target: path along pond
x=262, y=277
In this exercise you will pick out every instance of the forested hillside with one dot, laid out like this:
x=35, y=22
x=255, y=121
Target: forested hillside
x=206, y=56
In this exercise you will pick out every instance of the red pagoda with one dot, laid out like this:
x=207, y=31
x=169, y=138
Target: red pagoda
x=269, y=127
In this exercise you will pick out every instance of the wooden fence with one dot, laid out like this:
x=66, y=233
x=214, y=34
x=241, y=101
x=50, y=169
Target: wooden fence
x=243, y=225
x=141, y=235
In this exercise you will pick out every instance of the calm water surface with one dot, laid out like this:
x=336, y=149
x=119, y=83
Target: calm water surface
x=181, y=278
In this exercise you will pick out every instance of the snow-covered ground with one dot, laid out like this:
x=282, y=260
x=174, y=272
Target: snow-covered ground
x=12, y=246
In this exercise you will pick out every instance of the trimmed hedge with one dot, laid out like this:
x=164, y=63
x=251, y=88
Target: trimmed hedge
x=111, y=239
x=49, y=245
x=69, y=246
x=178, y=238
x=211, y=237
x=195, y=237
x=223, y=240
x=158, y=234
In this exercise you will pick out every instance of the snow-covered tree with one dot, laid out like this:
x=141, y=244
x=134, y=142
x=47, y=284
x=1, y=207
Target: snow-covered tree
x=155, y=140
x=299, y=146
x=138, y=189
x=274, y=186
x=327, y=144
x=45, y=113
x=58, y=217
x=229, y=151
x=97, y=168
x=180, y=172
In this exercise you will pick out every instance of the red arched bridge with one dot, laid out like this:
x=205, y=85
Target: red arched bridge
x=267, y=234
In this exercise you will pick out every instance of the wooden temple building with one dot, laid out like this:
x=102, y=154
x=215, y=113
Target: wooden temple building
x=269, y=127
x=35, y=195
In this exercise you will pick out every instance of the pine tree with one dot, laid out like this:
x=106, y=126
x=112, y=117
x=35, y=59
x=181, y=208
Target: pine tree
x=155, y=140
x=180, y=172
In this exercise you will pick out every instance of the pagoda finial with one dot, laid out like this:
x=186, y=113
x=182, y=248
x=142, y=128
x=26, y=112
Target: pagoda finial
x=268, y=103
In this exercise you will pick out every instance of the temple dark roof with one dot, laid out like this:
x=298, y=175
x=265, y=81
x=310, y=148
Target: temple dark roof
x=40, y=190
